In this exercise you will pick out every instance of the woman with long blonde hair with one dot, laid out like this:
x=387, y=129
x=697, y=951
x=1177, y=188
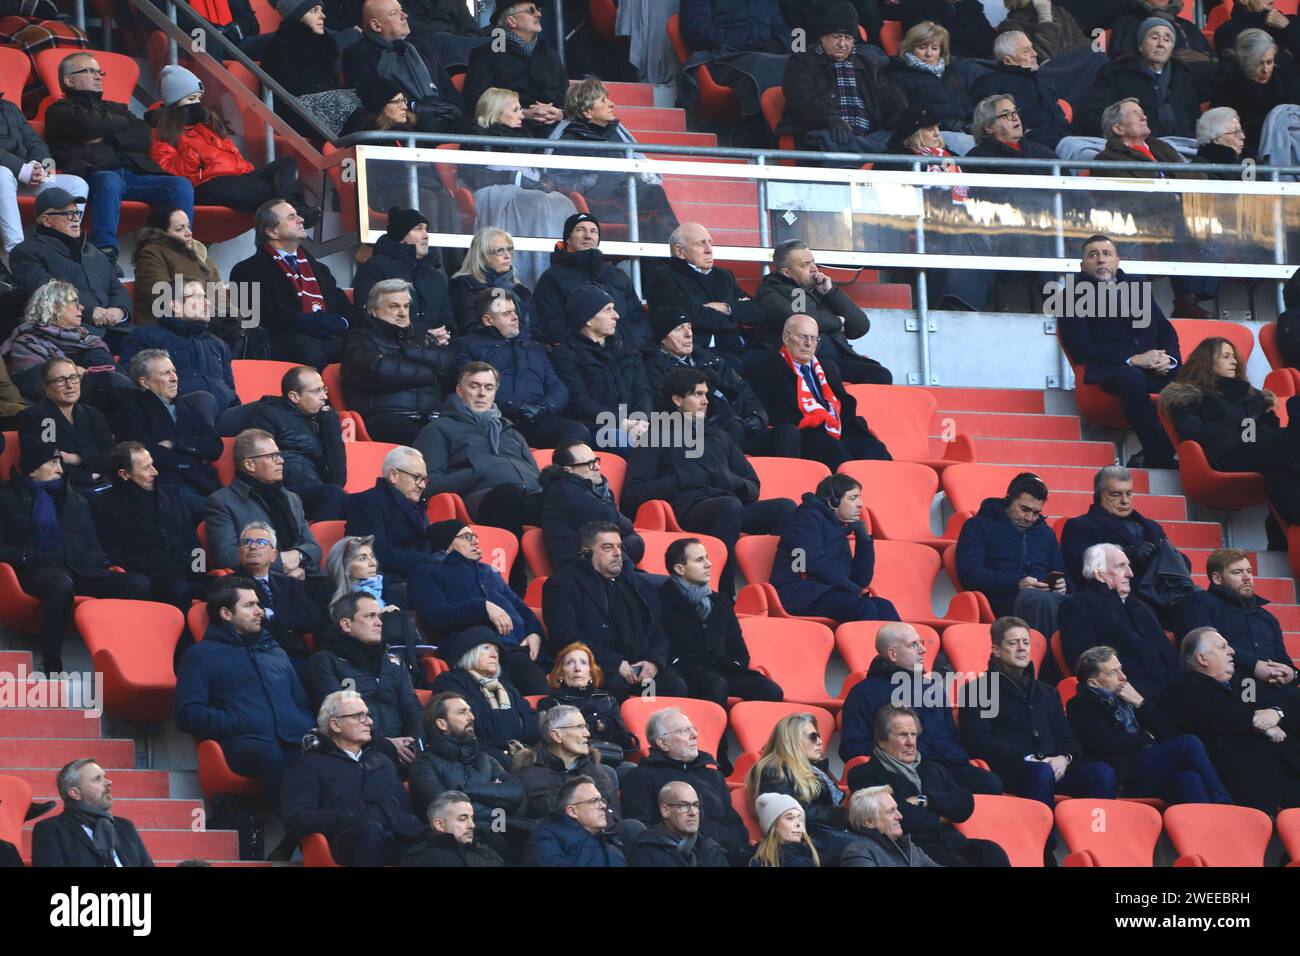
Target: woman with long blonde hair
x=785, y=836
x=489, y=263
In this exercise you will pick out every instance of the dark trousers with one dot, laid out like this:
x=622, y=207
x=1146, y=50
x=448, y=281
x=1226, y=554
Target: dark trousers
x=264, y=760
x=843, y=606
x=523, y=671
x=395, y=428
x=1036, y=781
x=1134, y=388
x=366, y=844
x=717, y=685
x=974, y=779
x=1176, y=771
x=309, y=350
x=860, y=370
x=817, y=445
x=781, y=441
x=548, y=431
x=278, y=179
x=726, y=517
x=55, y=588
x=321, y=502
x=667, y=683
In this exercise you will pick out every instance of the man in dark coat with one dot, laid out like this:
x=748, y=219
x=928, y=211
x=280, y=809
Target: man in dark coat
x=1017, y=724
x=526, y=65
x=179, y=430
x=575, y=491
x=1164, y=86
x=797, y=287
x=705, y=643
x=23, y=159
x=59, y=250
x=86, y=833
x=706, y=478
x=79, y=431
x=600, y=600
x=798, y=389
x=451, y=838
x=577, y=261
x=393, y=374
x=677, y=840
x=733, y=406
x=675, y=755
x=288, y=612
x=1258, y=15
x=145, y=529
x=1117, y=725
x=47, y=532
x=1111, y=518
x=930, y=800
x=383, y=53
x=294, y=297
x=965, y=20
x=817, y=110
x=403, y=252
x=107, y=145
x=237, y=687
x=1129, y=359
x=1250, y=742
x=606, y=381
x=1135, y=13
x=393, y=514
x=1015, y=73
x=897, y=668
x=310, y=437
x=456, y=591
x=202, y=360
x=720, y=310
x=734, y=25
x=574, y=835
x=347, y=790
x=563, y=752
x=530, y=393
x=1232, y=608
x=1105, y=611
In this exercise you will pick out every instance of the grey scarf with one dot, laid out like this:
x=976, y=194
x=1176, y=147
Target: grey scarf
x=919, y=64
x=1165, y=112
x=104, y=833
x=829, y=786
x=697, y=595
x=489, y=421
x=908, y=771
x=1123, y=709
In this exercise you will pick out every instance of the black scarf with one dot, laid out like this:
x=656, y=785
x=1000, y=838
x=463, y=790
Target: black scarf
x=73, y=246
x=275, y=503
x=103, y=830
x=365, y=657
x=46, y=498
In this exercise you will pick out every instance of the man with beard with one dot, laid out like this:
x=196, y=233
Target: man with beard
x=86, y=833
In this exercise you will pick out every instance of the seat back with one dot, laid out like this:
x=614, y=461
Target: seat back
x=1192, y=332
x=1268, y=342
x=9, y=454
x=500, y=548
x=787, y=477
x=225, y=465
x=968, y=647
x=132, y=643
x=15, y=68
x=1115, y=832
x=754, y=556
x=905, y=574
x=709, y=719
x=794, y=653
x=900, y=416
x=121, y=71
x=535, y=553
x=752, y=721
x=333, y=377
x=656, y=543
x=1068, y=688
x=773, y=106
x=898, y=494
x=856, y=643
x=1019, y=826
x=15, y=797
x=743, y=806
x=1219, y=834
x=328, y=534
x=255, y=378
x=365, y=463
x=1288, y=830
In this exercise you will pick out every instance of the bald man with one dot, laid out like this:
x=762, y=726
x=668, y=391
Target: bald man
x=677, y=840
x=897, y=676
x=799, y=389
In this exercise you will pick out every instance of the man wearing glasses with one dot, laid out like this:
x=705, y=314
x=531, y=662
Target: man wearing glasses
x=574, y=835
x=258, y=495
x=346, y=789
x=563, y=753
x=25, y=169
x=1015, y=73
x=393, y=512
x=526, y=65
x=677, y=840
x=104, y=142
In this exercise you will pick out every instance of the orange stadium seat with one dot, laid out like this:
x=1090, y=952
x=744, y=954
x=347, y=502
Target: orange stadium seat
x=794, y=654
x=899, y=495
x=445, y=507
x=15, y=797
x=1288, y=831
x=255, y=378
x=316, y=851
x=745, y=808
x=9, y=454
x=15, y=68
x=905, y=574
x=500, y=548
x=655, y=515
x=365, y=463
x=132, y=644
x=1212, y=834
x=752, y=721
x=716, y=102
x=1019, y=826
x=787, y=477
x=656, y=544
x=968, y=647
x=1108, y=832
x=902, y=417
x=539, y=565
x=328, y=534
x=217, y=779
x=225, y=465
x=709, y=719
x=856, y=643
x=1207, y=486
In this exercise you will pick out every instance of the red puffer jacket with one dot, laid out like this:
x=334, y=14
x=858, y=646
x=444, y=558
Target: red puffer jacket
x=200, y=155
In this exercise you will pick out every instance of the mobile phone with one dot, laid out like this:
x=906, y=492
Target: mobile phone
x=1054, y=577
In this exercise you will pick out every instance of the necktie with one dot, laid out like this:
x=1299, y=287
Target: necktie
x=812, y=384
x=264, y=594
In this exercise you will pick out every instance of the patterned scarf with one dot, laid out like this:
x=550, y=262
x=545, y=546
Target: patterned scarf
x=919, y=64
x=497, y=696
x=528, y=46
x=911, y=772
x=821, y=411
x=303, y=280
x=1123, y=709
x=850, y=107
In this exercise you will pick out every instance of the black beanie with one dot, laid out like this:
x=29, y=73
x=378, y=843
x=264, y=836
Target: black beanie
x=401, y=221
x=583, y=304
x=576, y=218
x=440, y=534
x=664, y=320
x=376, y=92
x=33, y=454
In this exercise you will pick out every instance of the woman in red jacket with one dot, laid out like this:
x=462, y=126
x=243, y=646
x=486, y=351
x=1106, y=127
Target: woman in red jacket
x=192, y=141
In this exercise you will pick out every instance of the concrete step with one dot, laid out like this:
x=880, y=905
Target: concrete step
x=46, y=723
x=176, y=845
x=10, y=661
x=1193, y=534
x=1288, y=615
x=1011, y=425
x=1031, y=452
x=53, y=754
x=1022, y=400
x=638, y=118
x=152, y=813
x=142, y=784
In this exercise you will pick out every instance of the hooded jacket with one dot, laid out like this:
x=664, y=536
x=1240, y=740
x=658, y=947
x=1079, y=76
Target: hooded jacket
x=200, y=155
x=233, y=686
x=386, y=370
x=993, y=554
x=394, y=259
x=543, y=775
x=568, y=271
x=83, y=116
x=568, y=502
x=1036, y=98
x=939, y=740
x=812, y=98
x=202, y=360
x=1096, y=615
x=159, y=259
x=1251, y=629
x=450, y=592
x=575, y=605
x=600, y=378
x=447, y=764
x=718, y=818
x=1129, y=76
x=827, y=562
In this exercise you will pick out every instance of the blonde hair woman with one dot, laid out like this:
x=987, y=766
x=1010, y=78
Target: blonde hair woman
x=489, y=263
x=785, y=838
x=921, y=71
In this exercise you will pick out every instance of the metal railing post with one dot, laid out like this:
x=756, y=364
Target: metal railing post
x=1279, y=245
x=269, y=99
x=413, y=182
x=1058, y=213
x=764, y=226
x=633, y=220
x=559, y=30
x=922, y=290
x=171, y=41
x=79, y=15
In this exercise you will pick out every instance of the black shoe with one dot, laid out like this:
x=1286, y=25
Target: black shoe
x=38, y=808
x=110, y=254
x=52, y=664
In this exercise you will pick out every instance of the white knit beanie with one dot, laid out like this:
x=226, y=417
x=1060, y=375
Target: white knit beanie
x=770, y=806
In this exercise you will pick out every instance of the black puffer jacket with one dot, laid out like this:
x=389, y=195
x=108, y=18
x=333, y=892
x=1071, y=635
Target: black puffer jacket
x=945, y=95
x=312, y=444
x=374, y=672
x=600, y=378
x=568, y=502
x=567, y=272
x=327, y=791
x=447, y=764
x=393, y=259
x=386, y=370
x=542, y=775
x=465, y=289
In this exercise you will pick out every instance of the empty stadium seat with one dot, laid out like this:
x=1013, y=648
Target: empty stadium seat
x=752, y=721
x=787, y=477
x=899, y=495
x=365, y=463
x=1288, y=831
x=15, y=68
x=709, y=719
x=902, y=416
x=968, y=647
x=132, y=644
x=656, y=543
x=1108, y=832
x=255, y=378
x=1019, y=826
x=217, y=779
x=856, y=643
x=655, y=515
x=794, y=654
x=1213, y=834
x=499, y=548
x=539, y=565
x=905, y=574
x=15, y=793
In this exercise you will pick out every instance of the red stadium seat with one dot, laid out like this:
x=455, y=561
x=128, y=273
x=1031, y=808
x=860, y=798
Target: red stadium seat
x=745, y=807
x=332, y=375
x=197, y=619
x=773, y=107
x=445, y=507
x=655, y=515
x=15, y=796
x=752, y=721
x=891, y=35
x=9, y=454
x=905, y=574
x=968, y=647
x=1288, y=831
x=500, y=548
x=225, y=465
x=539, y=565
x=1019, y=826
x=365, y=463
x=794, y=654
x=15, y=68
x=1213, y=834
x=899, y=495
x=1067, y=689
x=656, y=543
x=18, y=609
x=902, y=417
x=754, y=556
x=739, y=767
x=1058, y=655
x=709, y=719
x=1108, y=832
x=132, y=644
x=327, y=534
x=1205, y=485
x=1192, y=332
x=316, y=851
x=255, y=378
x=787, y=477
x=122, y=74
x=217, y=779
x=715, y=102
x=856, y=643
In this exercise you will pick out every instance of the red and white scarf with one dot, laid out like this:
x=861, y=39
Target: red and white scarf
x=825, y=415
x=303, y=281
